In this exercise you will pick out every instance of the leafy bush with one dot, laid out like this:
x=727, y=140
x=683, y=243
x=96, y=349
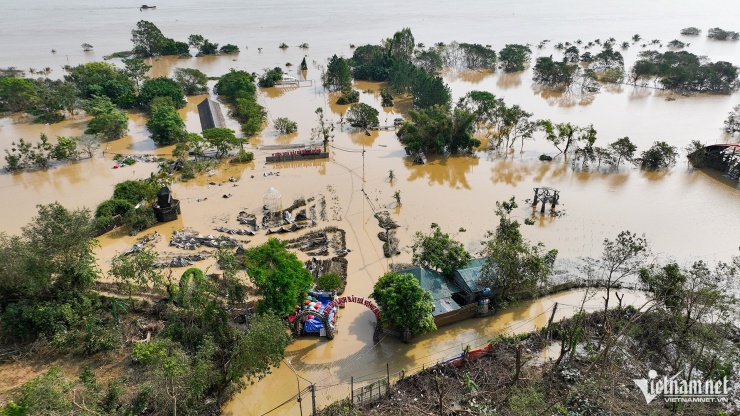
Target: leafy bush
x=691, y=31
x=113, y=207
x=270, y=77
x=243, y=157
x=229, y=49
x=348, y=96
x=720, y=34
x=136, y=191
x=139, y=219
x=329, y=282
x=284, y=125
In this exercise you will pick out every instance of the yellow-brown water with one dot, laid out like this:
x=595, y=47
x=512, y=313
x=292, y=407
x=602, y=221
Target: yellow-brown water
x=685, y=213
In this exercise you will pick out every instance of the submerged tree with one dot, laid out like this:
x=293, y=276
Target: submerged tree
x=437, y=130
x=554, y=74
x=732, y=123
x=513, y=57
x=624, y=149
x=512, y=263
x=362, y=115
x=192, y=81
x=660, y=155
x=324, y=131
x=108, y=122
x=439, y=251
x=404, y=304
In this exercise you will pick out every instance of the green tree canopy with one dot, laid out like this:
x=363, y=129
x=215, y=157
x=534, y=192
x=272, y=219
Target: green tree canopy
x=108, y=122
x=166, y=126
x=362, y=115
x=554, y=74
x=660, y=155
x=221, y=139
x=279, y=276
x=236, y=84
x=192, y=81
x=439, y=251
x=161, y=87
x=513, y=57
x=102, y=78
x=512, y=263
x=18, y=94
x=438, y=130
x=149, y=41
x=338, y=76
x=270, y=77
x=404, y=304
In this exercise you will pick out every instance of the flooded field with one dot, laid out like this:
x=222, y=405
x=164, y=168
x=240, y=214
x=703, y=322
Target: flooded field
x=686, y=214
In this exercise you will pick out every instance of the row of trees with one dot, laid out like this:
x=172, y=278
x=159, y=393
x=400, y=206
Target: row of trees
x=149, y=41
x=437, y=130
x=684, y=71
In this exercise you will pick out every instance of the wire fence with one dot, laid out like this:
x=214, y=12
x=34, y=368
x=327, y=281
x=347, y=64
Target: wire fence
x=368, y=388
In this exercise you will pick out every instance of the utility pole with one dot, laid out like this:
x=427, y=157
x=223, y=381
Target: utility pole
x=313, y=400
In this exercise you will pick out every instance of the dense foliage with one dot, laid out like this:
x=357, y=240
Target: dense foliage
x=404, y=304
x=439, y=130
x=285, y=125
x=191, y=80
x=270, y=77
x=103, y=79
x=149, y=41
x=684, y=71
x=554, y=74
x=362, y=115
x=439, y=251
x=279, y=276
x=163, y=87
x=108, y=122
x=513, y=57
x=165, y=125
x=26, y=155
x=512, y=263
x=239, y=90
x=660, y=155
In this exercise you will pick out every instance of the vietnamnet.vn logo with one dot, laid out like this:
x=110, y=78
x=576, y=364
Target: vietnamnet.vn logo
x=676, y=389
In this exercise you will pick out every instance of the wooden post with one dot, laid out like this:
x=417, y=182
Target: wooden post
x=351, y=392
x=542, y=210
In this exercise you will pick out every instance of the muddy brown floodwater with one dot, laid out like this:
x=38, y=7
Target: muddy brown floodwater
x=685, y=213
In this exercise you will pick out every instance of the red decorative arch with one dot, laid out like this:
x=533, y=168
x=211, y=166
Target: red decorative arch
x=354, y=299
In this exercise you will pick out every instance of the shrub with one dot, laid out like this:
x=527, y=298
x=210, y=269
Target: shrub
x=139, y=219
x=348, y=97
x=270, y=77
x=135, y=191
x=113, y=207
x=229, y=49
x=329, y=282
x=285, y=125
x=243, y=157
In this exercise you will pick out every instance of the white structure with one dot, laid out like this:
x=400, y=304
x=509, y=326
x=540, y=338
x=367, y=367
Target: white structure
x=273, y=200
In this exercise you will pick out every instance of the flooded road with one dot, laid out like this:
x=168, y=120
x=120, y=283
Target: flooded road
x=686, y=214
x=332, y=365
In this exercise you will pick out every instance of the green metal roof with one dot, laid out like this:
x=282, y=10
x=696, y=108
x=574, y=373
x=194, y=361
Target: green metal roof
x=471, y=273
x=440, y=288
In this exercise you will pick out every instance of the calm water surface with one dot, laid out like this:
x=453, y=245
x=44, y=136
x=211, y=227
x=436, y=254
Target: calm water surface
x=686, y=214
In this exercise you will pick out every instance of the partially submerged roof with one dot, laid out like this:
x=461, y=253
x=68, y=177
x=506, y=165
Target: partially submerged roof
x=438, y=286
x=471, y=273
x=210, y=115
